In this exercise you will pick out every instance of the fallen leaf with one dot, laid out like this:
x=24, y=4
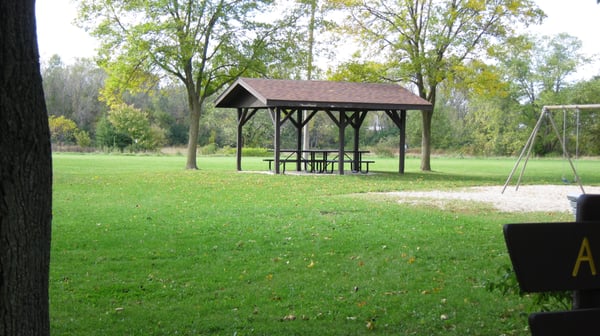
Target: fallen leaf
x=290, y=317
x=371, y=324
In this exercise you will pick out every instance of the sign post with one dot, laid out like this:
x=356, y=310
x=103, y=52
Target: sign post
x=558, y=257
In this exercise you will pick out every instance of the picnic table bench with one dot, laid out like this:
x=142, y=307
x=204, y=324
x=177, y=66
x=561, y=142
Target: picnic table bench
x=321, y=160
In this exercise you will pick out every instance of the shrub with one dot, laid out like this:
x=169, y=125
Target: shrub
x=209, y=149
x=506, y=283
x=83, y=139
x=386, y=147
x=62, y=130
x=257, y=152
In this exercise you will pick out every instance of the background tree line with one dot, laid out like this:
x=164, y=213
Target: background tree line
x=486, y=103
x=489, y=110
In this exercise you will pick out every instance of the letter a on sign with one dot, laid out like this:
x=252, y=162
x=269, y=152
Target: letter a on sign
x=585, y=255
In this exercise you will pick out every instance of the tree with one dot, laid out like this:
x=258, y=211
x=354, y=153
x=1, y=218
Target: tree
x=25, y=177
x=204, y=44
x=134, y=123
x=539, y=70
x=108, y=137
x=427, y=39
x=72, y=90
x=560, y=58
x=356, y=70
x=538, y=65
x=62, y=130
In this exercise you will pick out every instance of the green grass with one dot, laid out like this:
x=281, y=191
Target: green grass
x=141, y=246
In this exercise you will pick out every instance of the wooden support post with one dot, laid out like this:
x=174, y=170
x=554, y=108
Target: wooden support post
x=298, y=125
x=240, y=145
x=342, y=135
x=276, y=114
x=399, y=120
x=356, y=125
x=402, y=151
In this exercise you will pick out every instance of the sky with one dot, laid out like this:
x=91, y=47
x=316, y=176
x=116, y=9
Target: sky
x=58, y=35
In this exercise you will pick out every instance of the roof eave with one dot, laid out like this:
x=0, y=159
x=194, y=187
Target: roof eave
x=346, y=106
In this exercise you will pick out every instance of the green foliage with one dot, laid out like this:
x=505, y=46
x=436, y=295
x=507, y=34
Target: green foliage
x=107, y=136
x=204, y=45
x=506, y=284
x=387, y=147
x=481, y=108
x=130, y=121
x=585, y=92
x=71, y=90
x=83, y=139
x=62, y=130
x=356, y=70
x=256, y=152
x=135, y=124
x=428, y=42
x=209, y=149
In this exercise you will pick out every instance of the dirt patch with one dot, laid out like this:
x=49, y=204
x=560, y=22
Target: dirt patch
x=533, y=198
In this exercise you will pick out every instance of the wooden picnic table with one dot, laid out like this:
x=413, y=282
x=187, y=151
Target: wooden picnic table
x=322, y=160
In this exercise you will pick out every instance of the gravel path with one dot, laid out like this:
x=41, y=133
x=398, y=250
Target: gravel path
x=532, y=198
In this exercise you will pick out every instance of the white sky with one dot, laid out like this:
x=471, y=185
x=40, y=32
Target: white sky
x=58, y=35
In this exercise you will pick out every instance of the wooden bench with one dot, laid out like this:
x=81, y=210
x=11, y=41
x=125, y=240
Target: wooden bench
x=367, y=162
x=282, y=162
x=351, y=162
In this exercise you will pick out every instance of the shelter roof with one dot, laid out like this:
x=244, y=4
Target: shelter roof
x=267, y=93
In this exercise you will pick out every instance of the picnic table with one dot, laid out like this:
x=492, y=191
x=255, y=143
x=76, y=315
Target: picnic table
x=322, y=160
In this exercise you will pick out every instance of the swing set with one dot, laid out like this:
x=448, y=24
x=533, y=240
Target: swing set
x=546, y=112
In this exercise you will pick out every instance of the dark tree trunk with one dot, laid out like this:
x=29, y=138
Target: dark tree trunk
x=25, y=176
x=195, y=105
x=427, y=116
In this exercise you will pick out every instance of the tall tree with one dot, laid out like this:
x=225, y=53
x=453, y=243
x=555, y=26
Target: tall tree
x=25, y=176
x=205, y=44
x=72, y=90
x=561, y=56
x=428, y=39
x=537, y=65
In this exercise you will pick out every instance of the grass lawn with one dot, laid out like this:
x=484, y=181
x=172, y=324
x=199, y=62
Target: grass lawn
x=141, y=246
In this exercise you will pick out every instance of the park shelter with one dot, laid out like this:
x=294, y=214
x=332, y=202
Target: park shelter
x=298, y=101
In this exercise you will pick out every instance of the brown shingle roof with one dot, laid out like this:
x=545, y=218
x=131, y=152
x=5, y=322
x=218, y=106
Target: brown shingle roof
x=254, y=92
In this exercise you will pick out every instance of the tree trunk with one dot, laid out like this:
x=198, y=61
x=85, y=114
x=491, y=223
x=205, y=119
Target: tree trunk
x=195, y=111
x=25, y=176
x=193, y=140
x=426, y=141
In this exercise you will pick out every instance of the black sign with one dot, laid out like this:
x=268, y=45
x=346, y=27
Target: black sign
x=575, y=322
x=555, y=256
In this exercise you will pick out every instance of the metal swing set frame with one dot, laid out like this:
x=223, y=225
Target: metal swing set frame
x=546, y=112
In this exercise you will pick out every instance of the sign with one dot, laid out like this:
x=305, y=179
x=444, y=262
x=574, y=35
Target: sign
x=575, y=322
x=555, y=256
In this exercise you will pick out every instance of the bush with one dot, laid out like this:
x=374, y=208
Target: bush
x=108, y=138
x=209, y=149
x=386, y=147
x=83, y=139
x=62, y=130
x=257, y=152
x=506, y=283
